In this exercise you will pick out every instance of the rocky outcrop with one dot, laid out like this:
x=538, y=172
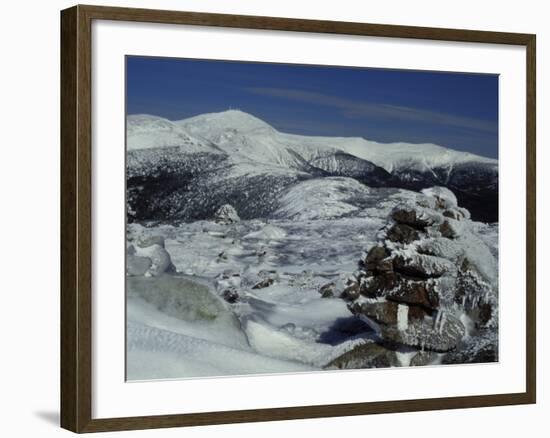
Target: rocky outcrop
x=367, y=355
x=427, y=283
x=226, y=215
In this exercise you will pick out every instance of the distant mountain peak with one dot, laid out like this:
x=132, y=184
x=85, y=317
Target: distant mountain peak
x=229, y=120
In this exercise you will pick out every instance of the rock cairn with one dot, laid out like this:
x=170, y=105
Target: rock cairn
x=425, y=286
x=226, y=215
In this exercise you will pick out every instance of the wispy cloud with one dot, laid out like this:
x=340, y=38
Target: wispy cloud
x=361, y=109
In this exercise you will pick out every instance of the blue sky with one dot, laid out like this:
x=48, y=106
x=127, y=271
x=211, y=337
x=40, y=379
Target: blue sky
x=455, y=110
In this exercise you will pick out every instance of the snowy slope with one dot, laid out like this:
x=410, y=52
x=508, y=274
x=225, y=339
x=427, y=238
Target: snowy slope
x=243, y=152
x=235, y=128
x=147, y=132
x=242, y=134
x=248, y=139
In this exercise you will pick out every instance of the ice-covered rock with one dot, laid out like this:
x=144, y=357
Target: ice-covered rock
x=443, y=197
x=423, y=358
x=137, y=265
x=441, y=332
x=365, y=355
x=402, y=233
x=147, y=256
x=226, y=214
x=178, y=297
x=477, y=349
x=160, y=259
x=145, y=241
x=327, y=290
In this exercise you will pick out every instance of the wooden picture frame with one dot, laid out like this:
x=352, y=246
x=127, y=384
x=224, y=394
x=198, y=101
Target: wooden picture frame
x=76, y=218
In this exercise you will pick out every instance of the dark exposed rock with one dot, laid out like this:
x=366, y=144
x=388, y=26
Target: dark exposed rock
x=351, y=292
x=375, y=255
x=385, y=312
x=266, y=282
x=408, y=216
x=447, y=230
x=381, y=312
x=410, y=292
x=440, y=334
x=230, y=295
x=402, y=233
x=398, y=288
x=327, y=290
x=422, y=266
x=385, y=266
x=377, y=286
x=368, y=355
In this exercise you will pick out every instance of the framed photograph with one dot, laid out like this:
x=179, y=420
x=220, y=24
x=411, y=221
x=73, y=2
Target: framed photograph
x=268, y=219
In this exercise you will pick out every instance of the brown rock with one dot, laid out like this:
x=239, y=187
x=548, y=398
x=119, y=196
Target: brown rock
x=351, y=292
x=377, y=286
x=385, y=312
x=409, y=292
x=368, y=355
x=423, y=266
x=427, y=333
x=385, y=266
x=327, y=290
x=266, y=282
x=375, y=254
x=446, y=230
x=402, y=233
x=409, y=217
x=381, y=312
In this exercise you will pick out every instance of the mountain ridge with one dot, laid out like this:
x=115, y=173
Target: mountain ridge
x=250, y=147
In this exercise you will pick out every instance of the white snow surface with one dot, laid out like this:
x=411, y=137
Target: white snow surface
x=147, y=132
x=303, y=200
x=286, y=326
x=247, y=139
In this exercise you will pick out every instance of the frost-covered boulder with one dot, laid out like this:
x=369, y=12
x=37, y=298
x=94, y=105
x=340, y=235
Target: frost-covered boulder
x=441, y=332
x=144, y=241
x=148, y=257
x=365, y=355
x=179, y=297
x=161, y=261
x=327, y=290
x=442, y=196
x=226, y=214
x=136, y=265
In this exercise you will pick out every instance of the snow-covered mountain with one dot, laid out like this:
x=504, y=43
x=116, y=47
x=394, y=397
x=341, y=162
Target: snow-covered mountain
x=148, y=132
x=241, y=151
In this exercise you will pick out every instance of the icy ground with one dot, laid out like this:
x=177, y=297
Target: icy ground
x=280, y=322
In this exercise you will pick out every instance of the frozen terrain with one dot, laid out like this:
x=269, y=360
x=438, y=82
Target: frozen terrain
x=227, y=150
x=243, y=243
